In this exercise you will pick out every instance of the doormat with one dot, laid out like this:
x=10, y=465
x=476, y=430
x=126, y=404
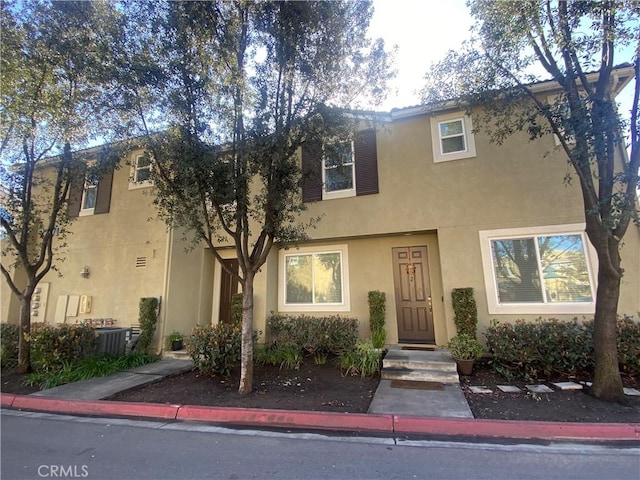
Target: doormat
x=416, y=385
x=428, y=349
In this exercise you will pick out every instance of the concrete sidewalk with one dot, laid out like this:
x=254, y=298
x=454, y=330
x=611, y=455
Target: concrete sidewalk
x=393, y=411
x=103, y=387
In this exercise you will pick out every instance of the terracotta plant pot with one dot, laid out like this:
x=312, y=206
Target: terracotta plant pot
x=465, y=367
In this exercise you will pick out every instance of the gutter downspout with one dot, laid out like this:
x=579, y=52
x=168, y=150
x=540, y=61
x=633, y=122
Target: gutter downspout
x=165, y=288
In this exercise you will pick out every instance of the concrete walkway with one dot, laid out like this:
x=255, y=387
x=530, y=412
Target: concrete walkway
x=447, y=402
x=103, y=387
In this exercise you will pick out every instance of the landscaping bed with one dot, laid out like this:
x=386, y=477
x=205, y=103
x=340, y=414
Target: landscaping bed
x=324, y=388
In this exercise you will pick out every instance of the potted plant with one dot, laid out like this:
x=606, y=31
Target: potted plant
x=175, y=341
x=465, y=349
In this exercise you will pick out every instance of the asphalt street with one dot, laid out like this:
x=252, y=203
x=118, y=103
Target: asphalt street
x=37, y=445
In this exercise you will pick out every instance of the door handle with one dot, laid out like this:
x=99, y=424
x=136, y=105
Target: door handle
x=430, y=304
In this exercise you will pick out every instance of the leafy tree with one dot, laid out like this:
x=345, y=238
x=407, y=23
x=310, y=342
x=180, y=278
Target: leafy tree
x=575, y=42
x=244, y=85
x=52, y=60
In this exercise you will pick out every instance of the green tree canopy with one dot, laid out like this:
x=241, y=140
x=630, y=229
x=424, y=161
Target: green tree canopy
x=577, y=45
x=241, y=87
x=54, y=100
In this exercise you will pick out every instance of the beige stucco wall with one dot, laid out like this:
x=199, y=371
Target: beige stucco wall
x=442, y=205
x=108, y=244
x=517, y=184
x=370, y=268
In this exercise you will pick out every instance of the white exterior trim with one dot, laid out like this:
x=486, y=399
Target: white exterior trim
x=344, y=306
x=436, y=143
x=495, y=307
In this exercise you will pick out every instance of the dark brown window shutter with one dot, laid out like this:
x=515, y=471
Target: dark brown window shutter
x=366, y=162
x=311, y=172
x=75, y=191
x=103, y=196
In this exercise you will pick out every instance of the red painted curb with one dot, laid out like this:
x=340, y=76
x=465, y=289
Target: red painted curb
x=6, y=400
x=288, y=418
x=515, y=429
x=398, y=424
x=98, y=407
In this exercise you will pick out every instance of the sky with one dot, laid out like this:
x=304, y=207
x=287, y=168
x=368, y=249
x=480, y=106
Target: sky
x=424, y=30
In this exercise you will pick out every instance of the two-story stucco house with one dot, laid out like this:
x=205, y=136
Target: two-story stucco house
x=415, y=206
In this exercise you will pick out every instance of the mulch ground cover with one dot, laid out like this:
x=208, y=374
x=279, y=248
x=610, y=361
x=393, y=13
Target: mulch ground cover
x=557, y=406
x=324, y=388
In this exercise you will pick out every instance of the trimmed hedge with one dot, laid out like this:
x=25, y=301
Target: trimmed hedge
x=331, y=335
x=148, y=317
x=377, y=312
x=215, y=349
x=9, y=337
x=465, y=310
x=541, y=348
x=54, y=347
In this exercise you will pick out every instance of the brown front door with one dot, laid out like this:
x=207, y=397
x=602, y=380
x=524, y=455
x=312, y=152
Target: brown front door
x=413, y=295
x=228, y=287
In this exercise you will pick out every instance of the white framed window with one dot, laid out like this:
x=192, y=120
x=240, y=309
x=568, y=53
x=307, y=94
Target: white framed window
x=539, y=270
x=89, y=193
x=140, y=176
x=338, y=170
x=314, y=279
x=452, y=137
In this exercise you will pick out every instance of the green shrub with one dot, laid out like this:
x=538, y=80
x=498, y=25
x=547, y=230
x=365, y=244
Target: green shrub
x=377, y=312
x=545, y=347
x=288, y=357
x=236, y=308
x=629, y=345
x=215, y=349
x=9, y=337
x=326, y=335
x=54, y=347
x=148, y=316
x=465, y=311
x=363, y=360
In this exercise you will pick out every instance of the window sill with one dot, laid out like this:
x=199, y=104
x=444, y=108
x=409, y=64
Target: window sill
x=338, y=194
x=140, y=185
x=329, y=308
x=586, y=308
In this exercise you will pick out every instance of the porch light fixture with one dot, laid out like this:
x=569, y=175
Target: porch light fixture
x=84, y=273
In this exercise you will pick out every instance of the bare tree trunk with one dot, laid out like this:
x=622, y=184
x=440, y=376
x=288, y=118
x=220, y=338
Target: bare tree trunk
x=246, y=362
x=24, y=345
x=607, y=384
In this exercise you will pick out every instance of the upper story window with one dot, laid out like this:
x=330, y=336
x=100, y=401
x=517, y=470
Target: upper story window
x=140, y=172
x=538, y=270
x=89, y=196
x=90, y=193
x=452, y=137
x=338, y=168
x=341, y=169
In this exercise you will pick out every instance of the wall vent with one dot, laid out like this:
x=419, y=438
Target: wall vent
x=141, y=262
